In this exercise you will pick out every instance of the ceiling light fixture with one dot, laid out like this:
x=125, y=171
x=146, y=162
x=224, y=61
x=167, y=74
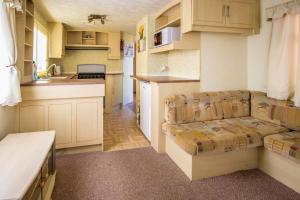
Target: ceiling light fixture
x=93, y=17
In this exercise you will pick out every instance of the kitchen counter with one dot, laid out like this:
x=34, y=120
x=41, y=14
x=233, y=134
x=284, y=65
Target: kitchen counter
x=164, y=79
x=114, y=73
x=70, y=80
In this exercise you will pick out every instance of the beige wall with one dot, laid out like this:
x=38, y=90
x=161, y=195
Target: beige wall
x=223, y=62
x=184, y=63
x=180, y=63
x=73, y=57
x=258, y=51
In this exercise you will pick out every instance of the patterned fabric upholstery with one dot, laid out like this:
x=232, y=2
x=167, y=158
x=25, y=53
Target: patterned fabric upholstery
x=286, y=144
x=207, y=106
x=221, y=135
x=275, y=111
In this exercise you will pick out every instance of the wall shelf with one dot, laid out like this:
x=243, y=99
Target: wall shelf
x=174, y=23
x=88, y=39
x=169, y=16
x=25, y=25
x=189, y=41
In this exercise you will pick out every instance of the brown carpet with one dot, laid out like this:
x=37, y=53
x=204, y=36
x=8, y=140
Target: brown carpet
x=144, y=174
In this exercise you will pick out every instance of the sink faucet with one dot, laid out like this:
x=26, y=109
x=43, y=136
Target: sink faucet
x=50, y=73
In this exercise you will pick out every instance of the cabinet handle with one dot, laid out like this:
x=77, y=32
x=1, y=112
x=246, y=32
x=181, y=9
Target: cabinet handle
x=223, y=11
x=228, y=11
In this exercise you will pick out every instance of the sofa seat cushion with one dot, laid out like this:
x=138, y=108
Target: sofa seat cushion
x=286, y=144
x=221, y=135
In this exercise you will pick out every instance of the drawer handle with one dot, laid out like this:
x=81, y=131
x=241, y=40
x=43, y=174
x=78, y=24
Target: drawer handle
x=228, y=11
x=223, y=11
x=42, y=184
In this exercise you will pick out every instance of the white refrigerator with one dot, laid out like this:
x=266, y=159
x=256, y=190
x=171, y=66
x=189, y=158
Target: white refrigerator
x=145, y=109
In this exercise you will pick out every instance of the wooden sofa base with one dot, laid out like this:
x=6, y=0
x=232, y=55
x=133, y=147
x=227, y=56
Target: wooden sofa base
x=280, y=168
x=205, y=166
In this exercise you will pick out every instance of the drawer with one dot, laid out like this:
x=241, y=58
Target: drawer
x=45, y=167
x=34, y=191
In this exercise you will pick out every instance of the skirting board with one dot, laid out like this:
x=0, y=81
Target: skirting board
x=280, y=168
x=204, y=166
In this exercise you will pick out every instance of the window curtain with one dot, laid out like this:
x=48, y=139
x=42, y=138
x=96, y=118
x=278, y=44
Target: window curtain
x=10, y=94
x=284, y=54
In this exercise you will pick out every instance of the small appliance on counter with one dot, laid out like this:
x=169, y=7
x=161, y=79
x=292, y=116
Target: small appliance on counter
x=57, y=70
x=91, y=71
x=166, y=36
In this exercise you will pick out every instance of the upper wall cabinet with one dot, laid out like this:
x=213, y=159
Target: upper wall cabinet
x=78, y=40
x=114, y=39
x=57, y=40
x=229, y=16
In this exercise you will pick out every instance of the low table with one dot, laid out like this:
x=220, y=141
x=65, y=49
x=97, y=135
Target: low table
x=27, y=165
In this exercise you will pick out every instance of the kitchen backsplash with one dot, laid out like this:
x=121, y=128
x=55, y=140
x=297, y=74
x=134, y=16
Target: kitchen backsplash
x=74, y=57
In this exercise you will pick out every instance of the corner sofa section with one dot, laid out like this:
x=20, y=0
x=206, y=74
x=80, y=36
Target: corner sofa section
x=216, y=133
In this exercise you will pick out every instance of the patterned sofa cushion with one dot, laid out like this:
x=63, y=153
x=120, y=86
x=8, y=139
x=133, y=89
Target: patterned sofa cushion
x=206, y=106
x=286, y=144
x=275, y=111
x=262, y=107
x=221, y=135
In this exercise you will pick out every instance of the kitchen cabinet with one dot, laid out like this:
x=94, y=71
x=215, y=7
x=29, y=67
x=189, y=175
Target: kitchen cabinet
x=32, y=117
x=77, y=122
x=60, y=120
x=229, y=16
x=114, y=51
x=113, y=91
x=241, y=13
x=88, y=121
x=209, y=12
x=56, y=40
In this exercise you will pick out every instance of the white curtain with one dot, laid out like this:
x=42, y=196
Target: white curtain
x=10, y=94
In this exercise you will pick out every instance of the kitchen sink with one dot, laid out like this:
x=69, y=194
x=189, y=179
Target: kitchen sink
x=54, y=78
x=58, y=77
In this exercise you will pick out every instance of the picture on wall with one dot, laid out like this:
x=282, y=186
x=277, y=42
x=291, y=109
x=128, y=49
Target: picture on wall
x=141, y=44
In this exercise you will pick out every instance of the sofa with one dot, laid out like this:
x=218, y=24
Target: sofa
x=216, y=133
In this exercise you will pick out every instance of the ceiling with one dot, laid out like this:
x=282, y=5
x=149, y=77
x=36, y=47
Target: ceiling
x=122, y=14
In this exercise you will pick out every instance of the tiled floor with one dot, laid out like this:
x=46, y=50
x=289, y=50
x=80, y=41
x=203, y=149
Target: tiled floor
x=121, y=131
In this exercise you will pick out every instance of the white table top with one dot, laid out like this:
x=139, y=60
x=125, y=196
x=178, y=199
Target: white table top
x=21, y=158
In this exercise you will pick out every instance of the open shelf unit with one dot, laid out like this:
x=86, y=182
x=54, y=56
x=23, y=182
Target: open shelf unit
x=25, y=27
x=170, y=16
x=87, y=39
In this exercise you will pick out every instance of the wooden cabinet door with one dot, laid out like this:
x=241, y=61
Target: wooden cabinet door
x=241, y=13
x=208, y=12
x=60, y=120
x=32, y=117
x=56, y=40
x=117, y=92
x=89, y=122
x=114, y=39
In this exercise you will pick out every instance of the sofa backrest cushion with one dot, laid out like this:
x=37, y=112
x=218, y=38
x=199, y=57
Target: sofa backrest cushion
x=263, y=107
x=206, y=106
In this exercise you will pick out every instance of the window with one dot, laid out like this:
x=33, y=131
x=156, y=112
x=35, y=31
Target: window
x=40, y=47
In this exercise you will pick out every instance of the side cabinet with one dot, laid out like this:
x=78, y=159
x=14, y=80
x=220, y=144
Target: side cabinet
x=113, y=92
x=114, y=51
x=56, y=40
x=228, y=16
x=77, y=122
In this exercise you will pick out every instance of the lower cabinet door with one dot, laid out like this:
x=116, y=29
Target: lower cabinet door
x=60, y=120
x=87, y=122
x=32, y=117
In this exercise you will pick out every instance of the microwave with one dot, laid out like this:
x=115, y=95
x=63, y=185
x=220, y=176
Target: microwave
x=166, y=36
